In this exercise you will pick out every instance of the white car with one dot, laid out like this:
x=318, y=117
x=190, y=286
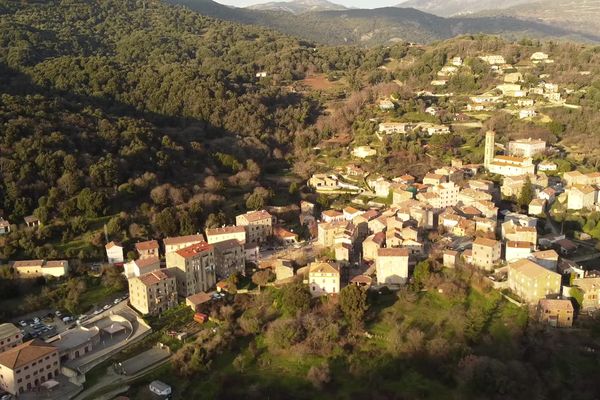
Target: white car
x=36, y=320
x=106, y=307
x=23, y=323
x=97, y=311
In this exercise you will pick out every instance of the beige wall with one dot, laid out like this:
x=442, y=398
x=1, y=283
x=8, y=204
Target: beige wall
x=194, y=274
x=323, y=283
x=533, y=289
x=153, y=299
x=31, y=375
x=239, y=236
x=486, y=256
x=391, y=270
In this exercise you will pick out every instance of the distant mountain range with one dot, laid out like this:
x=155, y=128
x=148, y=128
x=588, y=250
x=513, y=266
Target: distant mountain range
x=447, y=8
x=298, y=6
x=368, y=27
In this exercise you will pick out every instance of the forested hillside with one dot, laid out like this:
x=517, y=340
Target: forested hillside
x=140, y=112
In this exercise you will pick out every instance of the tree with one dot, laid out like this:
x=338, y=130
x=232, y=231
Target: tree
x=319, y=375
x=353, y=303
x=165, y=222
x=261, y=278
x=295, y=297
x=421, y=274
x=526, y=194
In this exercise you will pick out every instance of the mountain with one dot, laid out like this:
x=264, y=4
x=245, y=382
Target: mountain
x=368, y=27
x=446, y=8
x=581, y=16
x=298, y=6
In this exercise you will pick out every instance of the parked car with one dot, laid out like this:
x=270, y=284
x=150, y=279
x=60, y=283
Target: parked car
x=23, y=323
x=106, y=307
x=36, y=320
x=98, y=311
x=67, y=319
x=58, y=314
x=117, y=301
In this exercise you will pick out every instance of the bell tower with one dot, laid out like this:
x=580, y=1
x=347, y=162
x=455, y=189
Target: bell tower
x=490, y=142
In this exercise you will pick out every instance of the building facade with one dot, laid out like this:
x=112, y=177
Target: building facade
x=532, y=282
x=153, y=293
x=258, y=225
x=323, y=278
x=194, y=268
x=391, y=266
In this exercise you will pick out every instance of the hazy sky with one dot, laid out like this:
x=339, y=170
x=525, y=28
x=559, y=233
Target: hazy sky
x=347, y=3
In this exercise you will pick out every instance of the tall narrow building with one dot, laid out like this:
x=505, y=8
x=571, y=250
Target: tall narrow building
x=490, y=142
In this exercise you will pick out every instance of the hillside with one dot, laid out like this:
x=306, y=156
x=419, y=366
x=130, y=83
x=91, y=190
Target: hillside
x=582, y=16
x=446, y=8
x=138, y=115
x=382, y=25
x=298, y=6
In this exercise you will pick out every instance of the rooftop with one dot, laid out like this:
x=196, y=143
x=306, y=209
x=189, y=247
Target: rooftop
x=253, y=216
x=8, y=329
x=392, y=252
x=112, y=244
x=225, y=230
x=147, y=245
x=529, y=268
x=481, y=241
x=183, y=239
x=227, y=244
x=25, y=353
x=556, y=304
x=199, y=298
x=518, y=245
x=323, y=267
x=144, y=262
x=152, y=278
x=194, y=249
x=28, y=263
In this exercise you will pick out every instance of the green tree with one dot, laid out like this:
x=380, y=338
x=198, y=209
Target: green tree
x=262, y=277
x=421, y=274
x=526, y=194
x=353, y=303
x=295, y=297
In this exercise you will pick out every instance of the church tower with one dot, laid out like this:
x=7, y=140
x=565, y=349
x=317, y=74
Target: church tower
x=490, y=142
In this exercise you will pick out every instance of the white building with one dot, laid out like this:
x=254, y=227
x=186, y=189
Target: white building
x=526, y=147
x=114, y=253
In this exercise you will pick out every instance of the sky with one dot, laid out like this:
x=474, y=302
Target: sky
x=347, y=3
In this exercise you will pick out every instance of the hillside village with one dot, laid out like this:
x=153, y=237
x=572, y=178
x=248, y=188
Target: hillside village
x=502, y=217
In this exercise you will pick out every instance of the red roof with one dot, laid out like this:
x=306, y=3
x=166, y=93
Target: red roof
x=194, y=249
x=147, y=245
x=183, y=239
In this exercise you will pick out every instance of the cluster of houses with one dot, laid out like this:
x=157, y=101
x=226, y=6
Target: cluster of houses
x=389, y=240
x=30, y=221
x=192, y=264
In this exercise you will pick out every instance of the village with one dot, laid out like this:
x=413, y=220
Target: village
x=499, y=217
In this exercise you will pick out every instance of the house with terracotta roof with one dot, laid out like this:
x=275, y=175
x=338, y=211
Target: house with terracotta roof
x=35, y=268
x=196, y=301
x=581, y=197
x=179, y=242
x=434, y=179
x=154, y=292
x=147, y=249
x=285, y=236
x=141, y=266
x=114, y=252
x=331, y=216
x=195, y=268
x=323, y=278
x=350, y=213
x=517, y=251
x=555, y=312
x=27, y=366
x=371, y=244
x=214, y=235
x=486, y=253
x=536, y=207
x=487, y=208
x=532, y=282
x=391, y=266
x=258, y=224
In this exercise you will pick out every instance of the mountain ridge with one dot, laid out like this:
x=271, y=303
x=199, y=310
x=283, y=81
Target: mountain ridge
x=297, y=6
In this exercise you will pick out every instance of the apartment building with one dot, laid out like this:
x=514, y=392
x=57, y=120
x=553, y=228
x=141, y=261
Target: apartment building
x=258, y=225
x=532, y=282
x=230, y=258
x=25, y=367
x=486, y=253
x=179, y=242
x=215, y=235
x=154, y=292
x=147, y=249
x=194, y=268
